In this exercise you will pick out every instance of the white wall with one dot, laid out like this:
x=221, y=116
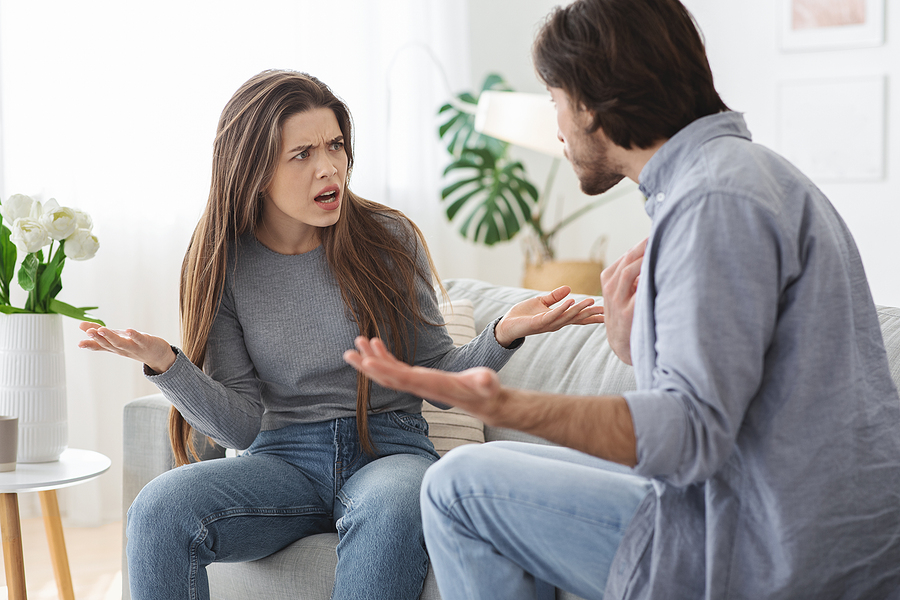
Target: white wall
x=111, y=107
x=742, y=44
x=501, y=33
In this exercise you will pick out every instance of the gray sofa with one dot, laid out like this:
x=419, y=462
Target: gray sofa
x=575, y=360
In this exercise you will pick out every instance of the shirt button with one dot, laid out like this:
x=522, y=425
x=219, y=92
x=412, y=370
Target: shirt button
x=660, y=197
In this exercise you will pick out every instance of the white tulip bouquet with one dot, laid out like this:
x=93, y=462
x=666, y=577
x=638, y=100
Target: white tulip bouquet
x=27, y=226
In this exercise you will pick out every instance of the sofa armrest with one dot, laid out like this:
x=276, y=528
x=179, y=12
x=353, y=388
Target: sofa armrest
x=147, y=453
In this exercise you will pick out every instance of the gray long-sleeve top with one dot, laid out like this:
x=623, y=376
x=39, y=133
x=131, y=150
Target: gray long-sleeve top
x=765, y=411
x=274, y=355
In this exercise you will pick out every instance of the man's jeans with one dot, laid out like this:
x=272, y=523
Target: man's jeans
x=504, y=519
x=293, y=482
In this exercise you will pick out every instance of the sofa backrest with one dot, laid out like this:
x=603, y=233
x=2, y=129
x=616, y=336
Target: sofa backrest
x=889, y=317
x=573, y=360
x=578, y=360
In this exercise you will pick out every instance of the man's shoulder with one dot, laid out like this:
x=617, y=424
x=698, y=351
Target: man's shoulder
x=732, y=168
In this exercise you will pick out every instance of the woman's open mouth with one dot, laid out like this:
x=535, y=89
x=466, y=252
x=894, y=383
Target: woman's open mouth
x=329, y=198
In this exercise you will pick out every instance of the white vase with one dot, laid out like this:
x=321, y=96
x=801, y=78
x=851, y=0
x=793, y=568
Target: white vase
x=33, y=384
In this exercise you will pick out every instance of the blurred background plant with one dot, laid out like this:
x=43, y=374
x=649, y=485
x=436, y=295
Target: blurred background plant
x=499, y=198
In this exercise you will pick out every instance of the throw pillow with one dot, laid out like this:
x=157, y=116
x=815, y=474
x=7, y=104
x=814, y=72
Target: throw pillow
x=454, y=427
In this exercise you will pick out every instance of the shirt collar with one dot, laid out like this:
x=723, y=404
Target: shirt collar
x=665, y=164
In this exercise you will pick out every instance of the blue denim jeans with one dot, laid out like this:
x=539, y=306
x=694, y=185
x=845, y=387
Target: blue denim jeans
x=292, y=482
x=505, y=519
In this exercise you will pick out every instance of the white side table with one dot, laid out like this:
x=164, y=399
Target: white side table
x=72, y=468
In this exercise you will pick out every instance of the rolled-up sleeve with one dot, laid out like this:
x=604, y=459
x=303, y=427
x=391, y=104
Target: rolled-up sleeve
x=704, y=316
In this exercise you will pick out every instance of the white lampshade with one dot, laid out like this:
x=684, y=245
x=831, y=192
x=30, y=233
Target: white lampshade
x=527, y=120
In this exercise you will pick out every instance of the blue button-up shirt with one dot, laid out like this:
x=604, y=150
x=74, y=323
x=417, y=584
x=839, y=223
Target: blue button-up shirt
x=765, y=413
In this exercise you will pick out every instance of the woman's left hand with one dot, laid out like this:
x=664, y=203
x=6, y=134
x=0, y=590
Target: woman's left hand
x=538, y=315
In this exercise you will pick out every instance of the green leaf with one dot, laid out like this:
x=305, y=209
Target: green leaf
x=8, y=256
x=446, y=126
x=524, y=207
x=447, y=191
x=76, y=313
x=12, y=310
x=50, y=279
x=28, y=272
x=482, y=177
x=458, y=204
x=495, y=82
x=463, y=163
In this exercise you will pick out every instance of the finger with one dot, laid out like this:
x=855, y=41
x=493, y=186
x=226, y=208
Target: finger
x=556, y=295
x=113, y=337
x=91, y=345
x=637, y=251
x=97, y=338
x=353, y=358
x=363, y=346
x=573, y=312
x=556, y=313
x=592, y=320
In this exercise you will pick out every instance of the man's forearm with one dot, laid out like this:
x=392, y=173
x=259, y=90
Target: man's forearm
x=598, y=425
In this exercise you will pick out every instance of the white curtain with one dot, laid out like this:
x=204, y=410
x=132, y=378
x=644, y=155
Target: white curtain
x=111, y=107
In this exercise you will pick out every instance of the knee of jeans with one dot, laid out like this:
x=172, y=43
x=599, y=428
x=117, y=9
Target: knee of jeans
x=154, y=513
x=455, y=474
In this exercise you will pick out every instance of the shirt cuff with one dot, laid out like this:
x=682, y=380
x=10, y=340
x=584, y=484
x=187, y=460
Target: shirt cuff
x=659, y=428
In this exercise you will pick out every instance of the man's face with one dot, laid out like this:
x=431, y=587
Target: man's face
x=588, y=152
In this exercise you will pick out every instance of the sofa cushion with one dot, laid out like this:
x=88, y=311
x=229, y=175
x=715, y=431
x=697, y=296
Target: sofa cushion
x=574, y=360
x=889, y=317
x=454, y=427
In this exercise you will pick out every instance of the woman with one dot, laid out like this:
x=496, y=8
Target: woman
x=286, y=267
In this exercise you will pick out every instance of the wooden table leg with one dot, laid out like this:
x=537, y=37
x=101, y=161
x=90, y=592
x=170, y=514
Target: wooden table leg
x=53, y=526
x=12, y=546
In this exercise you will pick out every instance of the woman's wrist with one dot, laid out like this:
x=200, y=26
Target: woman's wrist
x=164, y=362
x=502, y=336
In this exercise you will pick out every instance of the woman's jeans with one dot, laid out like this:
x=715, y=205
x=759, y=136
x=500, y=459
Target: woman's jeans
x=292, y=482
x=502, y=520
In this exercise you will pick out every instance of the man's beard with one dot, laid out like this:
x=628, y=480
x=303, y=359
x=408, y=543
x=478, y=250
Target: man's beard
x=595, y=174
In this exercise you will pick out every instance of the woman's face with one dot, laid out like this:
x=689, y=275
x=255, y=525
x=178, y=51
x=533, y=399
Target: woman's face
x=307, y=190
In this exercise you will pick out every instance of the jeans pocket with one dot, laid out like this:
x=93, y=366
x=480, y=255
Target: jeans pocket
x=409, y=422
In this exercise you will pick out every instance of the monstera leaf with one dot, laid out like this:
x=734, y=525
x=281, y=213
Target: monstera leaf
x=458, y=131
x=496, y=192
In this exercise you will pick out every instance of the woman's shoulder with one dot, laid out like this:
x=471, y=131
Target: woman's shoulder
x=397, y=224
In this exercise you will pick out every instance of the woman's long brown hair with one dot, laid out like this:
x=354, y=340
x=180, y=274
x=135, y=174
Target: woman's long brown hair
x=372, y=260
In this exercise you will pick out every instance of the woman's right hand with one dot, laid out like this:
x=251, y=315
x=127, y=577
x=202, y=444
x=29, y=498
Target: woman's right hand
x=153, y=351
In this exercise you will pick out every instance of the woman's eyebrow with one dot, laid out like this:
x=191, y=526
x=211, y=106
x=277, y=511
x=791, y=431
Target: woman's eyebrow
x=302, y=147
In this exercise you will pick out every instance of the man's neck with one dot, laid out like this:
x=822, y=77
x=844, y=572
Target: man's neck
x=633, y=160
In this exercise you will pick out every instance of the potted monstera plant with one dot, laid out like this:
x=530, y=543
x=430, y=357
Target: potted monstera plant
x=491, y=196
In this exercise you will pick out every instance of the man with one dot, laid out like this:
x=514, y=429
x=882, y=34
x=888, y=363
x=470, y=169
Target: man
x=761, y=450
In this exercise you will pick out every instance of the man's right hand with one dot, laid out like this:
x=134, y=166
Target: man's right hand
x=619, y=281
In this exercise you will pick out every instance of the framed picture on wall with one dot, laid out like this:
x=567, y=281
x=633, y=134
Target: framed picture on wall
x=831, y=24
x=833, y=129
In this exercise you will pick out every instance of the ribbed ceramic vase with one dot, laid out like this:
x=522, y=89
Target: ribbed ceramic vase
x=33, y=384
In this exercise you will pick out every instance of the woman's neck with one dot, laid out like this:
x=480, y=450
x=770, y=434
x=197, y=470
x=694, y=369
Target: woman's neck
x=288, y=242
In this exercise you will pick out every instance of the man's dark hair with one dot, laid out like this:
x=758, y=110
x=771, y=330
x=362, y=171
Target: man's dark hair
x=638, y=65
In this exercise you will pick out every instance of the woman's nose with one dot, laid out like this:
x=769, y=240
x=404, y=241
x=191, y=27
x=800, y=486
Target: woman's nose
x=325, y=169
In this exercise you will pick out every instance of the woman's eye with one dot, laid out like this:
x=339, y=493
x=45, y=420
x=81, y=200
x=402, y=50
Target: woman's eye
x=302, y=155
x=337, y=145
